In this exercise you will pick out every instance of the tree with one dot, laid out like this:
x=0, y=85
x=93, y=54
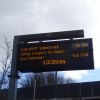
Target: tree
x=44, y=79
x=5, y=63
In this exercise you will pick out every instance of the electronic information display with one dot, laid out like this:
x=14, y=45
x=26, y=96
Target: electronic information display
x=55, y=56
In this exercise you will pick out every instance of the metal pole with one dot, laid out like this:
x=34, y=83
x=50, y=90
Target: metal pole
x=80, y=91
x=92, y=89
x=56, y=85
x=34, y=87
x=12, y=95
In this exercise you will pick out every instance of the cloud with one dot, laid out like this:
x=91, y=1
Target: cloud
x=63, y=15
x=75, y=75
x=16, y=17
x=23, y=17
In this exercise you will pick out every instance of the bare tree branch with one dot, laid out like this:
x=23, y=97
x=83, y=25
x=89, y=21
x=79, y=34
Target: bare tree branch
x=5, y=63
x=44, y=79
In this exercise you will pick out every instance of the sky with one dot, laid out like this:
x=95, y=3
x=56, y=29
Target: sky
x=19, y=17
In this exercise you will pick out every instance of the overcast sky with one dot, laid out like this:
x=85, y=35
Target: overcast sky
x=18, y=17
